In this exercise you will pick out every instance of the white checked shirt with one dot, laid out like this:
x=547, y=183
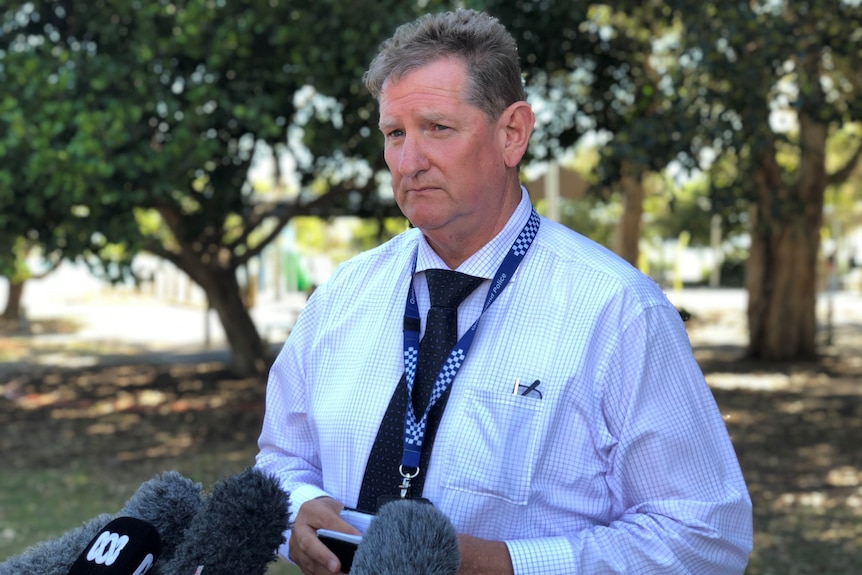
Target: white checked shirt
x=623, y=465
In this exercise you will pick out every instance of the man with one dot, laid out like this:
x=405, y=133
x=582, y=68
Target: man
x=578, y=436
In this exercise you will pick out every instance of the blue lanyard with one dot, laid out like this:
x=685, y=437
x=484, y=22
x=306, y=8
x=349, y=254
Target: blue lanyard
x=414, y=430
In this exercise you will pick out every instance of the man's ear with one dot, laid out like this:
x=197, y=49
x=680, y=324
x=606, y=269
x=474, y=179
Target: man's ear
x=516, y=123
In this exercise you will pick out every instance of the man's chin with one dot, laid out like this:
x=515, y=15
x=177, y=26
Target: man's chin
x=424, y=215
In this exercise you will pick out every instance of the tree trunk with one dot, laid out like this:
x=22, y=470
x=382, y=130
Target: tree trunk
x=13, y=301
x=250, y=355
x=629, y=227
x=781, y=272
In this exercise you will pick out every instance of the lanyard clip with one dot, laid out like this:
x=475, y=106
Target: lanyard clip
x=405, y=481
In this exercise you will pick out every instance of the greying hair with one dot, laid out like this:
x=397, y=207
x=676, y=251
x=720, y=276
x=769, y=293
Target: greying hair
x=487, y=49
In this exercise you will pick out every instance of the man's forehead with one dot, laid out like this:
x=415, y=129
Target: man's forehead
x=426, y=94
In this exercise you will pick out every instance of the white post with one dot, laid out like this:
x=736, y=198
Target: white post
x=552, y=191
x=717, y=256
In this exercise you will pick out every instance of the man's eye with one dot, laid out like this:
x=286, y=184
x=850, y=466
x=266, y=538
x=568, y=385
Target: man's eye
x=440, y=127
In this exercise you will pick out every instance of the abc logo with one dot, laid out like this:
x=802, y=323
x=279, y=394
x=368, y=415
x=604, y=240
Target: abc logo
x=107, y=548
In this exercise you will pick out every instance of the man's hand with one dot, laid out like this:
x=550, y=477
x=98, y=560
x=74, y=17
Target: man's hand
x=306, y=550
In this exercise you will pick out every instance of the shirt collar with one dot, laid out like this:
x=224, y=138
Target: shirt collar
x=483, y=263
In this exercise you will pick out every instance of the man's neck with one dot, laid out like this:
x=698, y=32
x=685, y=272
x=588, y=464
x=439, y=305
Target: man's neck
x=461, y=252
x=455, y=250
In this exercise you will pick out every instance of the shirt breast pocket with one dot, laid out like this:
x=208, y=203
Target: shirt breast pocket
x=495, y=441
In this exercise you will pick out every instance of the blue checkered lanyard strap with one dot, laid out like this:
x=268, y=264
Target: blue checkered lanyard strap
x=414, y=429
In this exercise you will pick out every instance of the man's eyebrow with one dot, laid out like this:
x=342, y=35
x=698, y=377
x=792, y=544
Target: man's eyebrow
x=430, y=117
x=436, y=118
x=385, y=125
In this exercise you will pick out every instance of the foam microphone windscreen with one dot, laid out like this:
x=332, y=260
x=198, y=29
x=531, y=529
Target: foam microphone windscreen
x=126, y=546
x=238, y=530
x=168, y=502
x=408, y=537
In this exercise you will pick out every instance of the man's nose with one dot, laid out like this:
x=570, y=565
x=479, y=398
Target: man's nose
x=412, y=160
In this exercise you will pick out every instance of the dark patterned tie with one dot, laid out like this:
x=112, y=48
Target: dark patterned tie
x=447, y=289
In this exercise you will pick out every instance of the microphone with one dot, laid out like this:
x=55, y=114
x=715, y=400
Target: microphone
x=126, y=546
x=408, y=537
x=167, y=502
x=238, y=530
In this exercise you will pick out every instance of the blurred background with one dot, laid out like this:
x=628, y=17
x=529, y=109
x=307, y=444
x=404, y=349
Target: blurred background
x=176, y=177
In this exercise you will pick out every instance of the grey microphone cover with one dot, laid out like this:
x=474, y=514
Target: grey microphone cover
x=408, y=537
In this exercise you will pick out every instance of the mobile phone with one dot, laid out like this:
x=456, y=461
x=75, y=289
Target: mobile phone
x=357, y=518
x=342, y=544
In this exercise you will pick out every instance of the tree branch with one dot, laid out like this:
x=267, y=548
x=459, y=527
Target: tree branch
x=844, y=173
x=284, y=212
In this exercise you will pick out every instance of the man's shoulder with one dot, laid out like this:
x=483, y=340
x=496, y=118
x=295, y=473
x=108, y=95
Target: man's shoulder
x=573, y=250
x=588, y=263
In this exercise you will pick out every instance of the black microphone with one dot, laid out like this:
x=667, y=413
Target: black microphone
x=408, y=537
x=238, y=530
x=126, y=546
x=167, y=502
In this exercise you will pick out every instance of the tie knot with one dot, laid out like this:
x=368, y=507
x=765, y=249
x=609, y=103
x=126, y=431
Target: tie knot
x=448, y=288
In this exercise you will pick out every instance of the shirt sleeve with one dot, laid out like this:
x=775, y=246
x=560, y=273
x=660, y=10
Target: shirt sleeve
x=681, y=505
x=287, y=448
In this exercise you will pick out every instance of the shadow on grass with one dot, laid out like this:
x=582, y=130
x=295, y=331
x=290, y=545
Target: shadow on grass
x=79, y=442
x=797, y=428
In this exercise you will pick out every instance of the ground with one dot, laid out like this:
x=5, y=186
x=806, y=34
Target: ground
x=95, y=430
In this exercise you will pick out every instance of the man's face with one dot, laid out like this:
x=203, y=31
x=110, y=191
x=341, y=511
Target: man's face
x=446, y=157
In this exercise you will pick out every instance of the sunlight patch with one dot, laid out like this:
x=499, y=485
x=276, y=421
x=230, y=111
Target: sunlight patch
x=844, y=476
x=752, y=381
